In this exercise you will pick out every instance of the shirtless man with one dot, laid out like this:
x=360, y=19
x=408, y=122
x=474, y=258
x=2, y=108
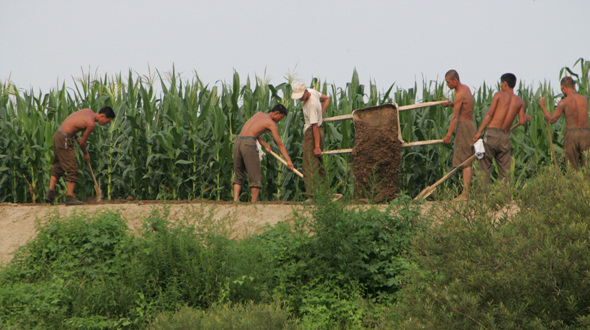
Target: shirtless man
x=64, y=156
x=577, y=134
x=505, y=106
x=245, y=150
x=462, y=119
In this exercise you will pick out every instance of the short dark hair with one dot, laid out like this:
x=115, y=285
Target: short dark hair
x=509, y=78
x=568, y=81
x=280, y=108
x=108, y=111
x=452, y=74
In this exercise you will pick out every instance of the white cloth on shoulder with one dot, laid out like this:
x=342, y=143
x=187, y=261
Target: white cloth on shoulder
x=480, y=150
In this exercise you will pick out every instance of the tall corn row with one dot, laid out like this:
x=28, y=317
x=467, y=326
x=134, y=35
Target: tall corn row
x=177, y=143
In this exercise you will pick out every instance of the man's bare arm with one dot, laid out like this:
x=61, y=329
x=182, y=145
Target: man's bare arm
x=317, y=151
x=552, y=118
x=454, y=119
x=275, y=134
x=264, y=144
x=522, y=117
x=89, y=128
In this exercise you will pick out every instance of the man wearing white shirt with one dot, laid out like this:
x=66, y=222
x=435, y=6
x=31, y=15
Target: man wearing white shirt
x=314, y=107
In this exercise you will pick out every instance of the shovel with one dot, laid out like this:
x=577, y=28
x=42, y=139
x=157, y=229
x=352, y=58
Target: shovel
x=98, y=196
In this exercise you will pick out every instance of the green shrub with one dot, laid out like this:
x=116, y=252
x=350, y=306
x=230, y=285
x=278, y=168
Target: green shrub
x=491, y=263
x=80, y=245
x=237, y=316
x=70, y=269
x=331, y=264
x=173, y=263
x=326, y=267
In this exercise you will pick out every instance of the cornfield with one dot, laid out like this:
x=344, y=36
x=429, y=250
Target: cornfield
x=177, y=143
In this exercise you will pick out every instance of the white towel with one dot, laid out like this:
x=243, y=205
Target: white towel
x=259, y=149
x=480, y=150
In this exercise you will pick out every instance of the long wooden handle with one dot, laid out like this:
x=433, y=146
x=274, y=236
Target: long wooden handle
x=404, y=145
x=337, y=151
x=420, y=105
x=92, y=172
x=551, y=143
x=337, y=118
x=402, y=108
x=285, y=162
x=420, y=143
x=430, y=189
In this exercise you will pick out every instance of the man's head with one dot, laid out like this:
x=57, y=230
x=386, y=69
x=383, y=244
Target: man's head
x=298, y=90
x=568, y=82
x=105, y=115
x=568, y=85
x=452, y=79
x=278, y=112
x=509, y=79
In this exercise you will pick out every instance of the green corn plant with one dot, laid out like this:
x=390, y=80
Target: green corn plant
x=177, y=142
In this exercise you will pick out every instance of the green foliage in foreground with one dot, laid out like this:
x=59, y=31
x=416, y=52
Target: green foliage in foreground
x=487, y=263
x=482, y=267
x=333, y=268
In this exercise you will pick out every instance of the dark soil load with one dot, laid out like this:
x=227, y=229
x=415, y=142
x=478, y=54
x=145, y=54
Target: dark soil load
x=376, y=155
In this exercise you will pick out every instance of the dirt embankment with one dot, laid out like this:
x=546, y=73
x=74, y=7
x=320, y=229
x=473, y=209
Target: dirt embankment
x=18, y=222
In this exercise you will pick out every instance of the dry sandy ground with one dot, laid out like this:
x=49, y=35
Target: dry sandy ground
x=18, y=222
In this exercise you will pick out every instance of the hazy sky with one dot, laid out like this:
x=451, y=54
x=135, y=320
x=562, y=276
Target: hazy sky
x=387, y=41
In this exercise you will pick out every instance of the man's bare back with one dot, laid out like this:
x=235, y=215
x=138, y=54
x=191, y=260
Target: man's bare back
x=507, y=106
x=257, y=125
x=575, y=108
x=576, y=111
x=464, y=95
x=504, y=108
x=79, y=121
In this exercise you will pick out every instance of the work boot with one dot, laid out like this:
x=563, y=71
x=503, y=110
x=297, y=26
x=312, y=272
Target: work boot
x=71, y=200
x=50, y=196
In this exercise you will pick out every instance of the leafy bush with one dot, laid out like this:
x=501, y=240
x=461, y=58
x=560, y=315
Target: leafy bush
x=240, y=316
x=326, y=267
x=68, y=270
x=489, y=263
x=331, y=266
x=73, y=246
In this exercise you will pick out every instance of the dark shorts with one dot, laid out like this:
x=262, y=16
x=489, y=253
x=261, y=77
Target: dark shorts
x=497, y=144
x=246, y=158
x=64, y=158
x=464, y=142
x=576, y=141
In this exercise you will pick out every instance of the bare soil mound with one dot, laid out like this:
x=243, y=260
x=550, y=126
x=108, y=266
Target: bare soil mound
x=377, y=153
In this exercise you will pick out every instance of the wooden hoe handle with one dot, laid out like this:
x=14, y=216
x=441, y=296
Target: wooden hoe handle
x=285, y=162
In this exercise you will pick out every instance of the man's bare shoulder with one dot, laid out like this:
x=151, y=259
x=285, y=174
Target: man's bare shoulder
x=498, y=95
x=466, y=90
x=578, y=99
